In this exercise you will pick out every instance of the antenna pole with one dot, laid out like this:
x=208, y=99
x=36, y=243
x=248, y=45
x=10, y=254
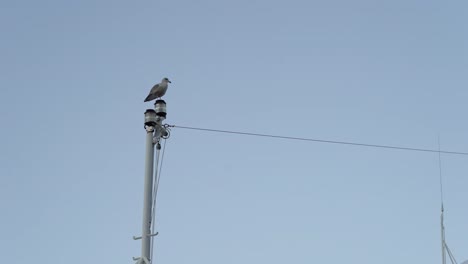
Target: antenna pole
x=154, y=132
x=442, y=228
x=147, y=196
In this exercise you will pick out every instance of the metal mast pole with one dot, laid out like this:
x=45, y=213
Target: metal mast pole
x=147, y=196
x=154, y=132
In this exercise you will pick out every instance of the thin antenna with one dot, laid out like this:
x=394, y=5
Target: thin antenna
x=445, y=248
x=440, y=178
x=442, y=228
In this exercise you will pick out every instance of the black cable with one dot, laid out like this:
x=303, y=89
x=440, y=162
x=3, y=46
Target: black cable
x=322, y=141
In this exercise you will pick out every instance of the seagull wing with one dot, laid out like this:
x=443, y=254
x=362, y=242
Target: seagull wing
x=153, y=93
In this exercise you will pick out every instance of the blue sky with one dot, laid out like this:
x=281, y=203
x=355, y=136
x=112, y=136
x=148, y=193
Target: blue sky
x=74, y=76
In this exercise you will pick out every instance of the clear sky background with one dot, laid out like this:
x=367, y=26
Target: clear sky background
x=74, y=75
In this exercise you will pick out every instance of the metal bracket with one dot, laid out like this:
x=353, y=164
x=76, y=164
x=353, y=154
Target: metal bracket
x=149, y=129
x=150, y=235
x=141, y=260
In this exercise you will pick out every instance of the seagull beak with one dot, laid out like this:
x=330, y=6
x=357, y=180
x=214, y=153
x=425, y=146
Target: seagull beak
x=169, y=81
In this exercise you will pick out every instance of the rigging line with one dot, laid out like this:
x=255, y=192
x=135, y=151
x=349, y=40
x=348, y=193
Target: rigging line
x=153, y=206
x=157, y=177
x=322, y=140
x=452, y=257
x=160, y=167
x=158, y=153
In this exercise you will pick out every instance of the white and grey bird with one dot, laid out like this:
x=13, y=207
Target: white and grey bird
x=158, y=90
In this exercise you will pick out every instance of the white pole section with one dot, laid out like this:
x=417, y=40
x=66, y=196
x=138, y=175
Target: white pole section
x=154, y=132
x=147, y=196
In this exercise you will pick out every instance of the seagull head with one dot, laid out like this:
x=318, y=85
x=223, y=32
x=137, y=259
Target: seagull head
x=166, y=80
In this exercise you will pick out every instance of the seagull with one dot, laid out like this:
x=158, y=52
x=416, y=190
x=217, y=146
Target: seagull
x=158, y=90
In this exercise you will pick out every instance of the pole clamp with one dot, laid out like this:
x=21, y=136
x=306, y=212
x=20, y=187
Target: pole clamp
x=143, y=260
x=149, y=235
